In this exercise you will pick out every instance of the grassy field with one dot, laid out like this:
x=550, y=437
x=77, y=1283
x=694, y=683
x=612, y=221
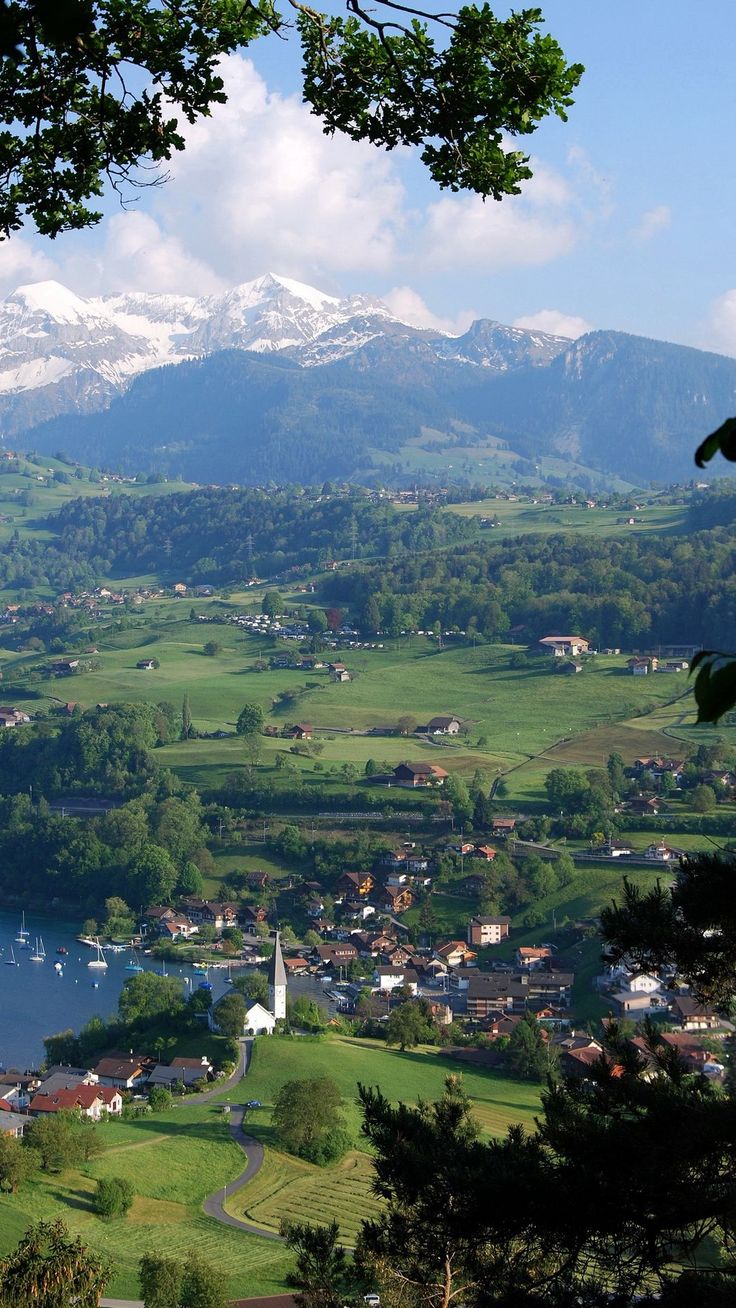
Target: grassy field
x=287, y=1186
x=523, y=518
x=173, y=1160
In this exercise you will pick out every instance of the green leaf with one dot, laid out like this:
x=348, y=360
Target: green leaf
x=715, y=683
x=724, y=439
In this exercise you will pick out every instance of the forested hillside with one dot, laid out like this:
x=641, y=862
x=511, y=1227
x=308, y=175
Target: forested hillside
x=224, y=535
x=616, y=593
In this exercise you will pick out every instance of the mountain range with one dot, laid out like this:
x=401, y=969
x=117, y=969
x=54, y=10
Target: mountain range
x=277, y=380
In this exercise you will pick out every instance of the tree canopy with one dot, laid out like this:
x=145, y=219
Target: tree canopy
x=104, y=89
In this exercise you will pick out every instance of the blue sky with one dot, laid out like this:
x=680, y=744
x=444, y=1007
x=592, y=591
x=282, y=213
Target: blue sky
x=628, y=223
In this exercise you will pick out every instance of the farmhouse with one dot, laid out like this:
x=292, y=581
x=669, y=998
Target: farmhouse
x=207, y=912
x=396, y=899
x=443, y=726
x=488, y=930
x=146, y=665
x=419, y=774
x=354, y=883
x=300, y=731
x=456, y=953
x=503, y=826
x=12, y=717
x=563, y=646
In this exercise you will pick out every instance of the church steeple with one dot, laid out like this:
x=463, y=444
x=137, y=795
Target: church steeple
x=277, y=981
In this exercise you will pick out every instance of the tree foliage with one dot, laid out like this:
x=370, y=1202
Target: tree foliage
x=51, y=1269
x=113, y=1197
x=96, y=89
x=307, y=1119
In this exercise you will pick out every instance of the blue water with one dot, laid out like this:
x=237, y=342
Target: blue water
x=35, y=1001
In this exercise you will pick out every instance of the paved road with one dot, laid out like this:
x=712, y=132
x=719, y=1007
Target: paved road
x=253, y=1150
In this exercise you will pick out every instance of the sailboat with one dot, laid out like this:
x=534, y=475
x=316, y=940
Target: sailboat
x=133, y=965
x=10, y=962
x=39, y=953
x=22, y=936
x=100, y=960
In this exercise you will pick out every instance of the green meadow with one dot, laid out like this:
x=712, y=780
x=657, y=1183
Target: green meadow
x=286, y=1186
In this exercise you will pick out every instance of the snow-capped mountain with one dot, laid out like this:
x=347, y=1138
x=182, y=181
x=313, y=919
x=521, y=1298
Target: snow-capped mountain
x=60, y=353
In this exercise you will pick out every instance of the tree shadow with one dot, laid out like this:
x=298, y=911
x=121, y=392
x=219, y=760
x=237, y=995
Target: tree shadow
x=74, y=1199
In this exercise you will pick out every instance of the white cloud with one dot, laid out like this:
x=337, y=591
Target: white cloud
x=720, y=329
x=465, y=231
x=555, y=322
x=20, y=262
x=138, y=256
x=653, y=221
x=409, y=307
x=261, y=187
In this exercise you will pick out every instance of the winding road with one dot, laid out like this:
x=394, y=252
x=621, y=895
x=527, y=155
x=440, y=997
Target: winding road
x=214, y=1204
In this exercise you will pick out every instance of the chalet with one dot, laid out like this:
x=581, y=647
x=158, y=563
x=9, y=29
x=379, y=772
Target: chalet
x=354, y=883
x=336, y=954
x=358, y=910
x=456, y=953
x=464, y=848
x=94, y=1101
x=146, y=665
x=578, y=1061
x=251, y=915
x=564, y=646
x=396, y=899
x=419, y=774
x=300, y=731
x=693, y=1016
x=501, y=1026
x=207, y=912
x=341, y=676
x=503, y=826
x=472, y=886
x=484, y=931
x=297, y=966
x=395, y=953
x=257, y=880
x=443, y=726
x=179, y=588
x=696, y=1057
x=675, y=665
x=486, y=852
x=62, y=667
x=644, y=805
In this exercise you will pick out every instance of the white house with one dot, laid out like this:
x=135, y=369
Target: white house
x=642, y=983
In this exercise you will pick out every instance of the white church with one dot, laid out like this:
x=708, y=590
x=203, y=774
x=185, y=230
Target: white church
x=260, y=1020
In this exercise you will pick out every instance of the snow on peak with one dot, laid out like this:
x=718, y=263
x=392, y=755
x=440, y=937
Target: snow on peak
x=54, y=300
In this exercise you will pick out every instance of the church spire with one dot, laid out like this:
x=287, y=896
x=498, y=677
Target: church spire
x=277, y=981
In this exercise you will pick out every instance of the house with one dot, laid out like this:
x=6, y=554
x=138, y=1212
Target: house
x=62, y=667
x=488, y=930
x=563, y=646
x=456, y=953
x=146, y=665
x=337, y=954
x=419, y=774
x=487, y=994
x=396, y=899
x=692, y=1015
x=11, y=1123
x=696, y=1056
x=443, y=726
x=486, y=852
x=207, y=912
x=300, y=731
x=660, y=853
x=94, y=1101
x=12, y=717
x=296, y=966
x=180, y=1072
x=641, y=983
x=501, y=1026
x=644, y=805
x=355, y=883
x=179, y=588
x=123, y=1072
x=533, y=955
x=503, y=826
x=626, y=1004
x=393, y=976
x=639, y=667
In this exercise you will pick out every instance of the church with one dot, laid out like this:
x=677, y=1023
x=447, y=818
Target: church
x=260, y=1020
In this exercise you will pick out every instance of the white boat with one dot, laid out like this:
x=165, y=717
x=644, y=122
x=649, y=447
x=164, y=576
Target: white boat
x=10, y=962
x=100, y=960
x=22, y=936
x=39, y=953
x=58, y=967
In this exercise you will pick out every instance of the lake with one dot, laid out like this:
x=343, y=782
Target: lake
x=36, y=1001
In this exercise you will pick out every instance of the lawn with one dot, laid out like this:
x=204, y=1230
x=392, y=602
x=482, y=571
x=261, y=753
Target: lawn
x=288, y=1188
x=173, y=1160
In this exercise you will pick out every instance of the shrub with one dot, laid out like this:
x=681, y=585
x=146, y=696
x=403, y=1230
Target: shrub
x=113, y=1197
